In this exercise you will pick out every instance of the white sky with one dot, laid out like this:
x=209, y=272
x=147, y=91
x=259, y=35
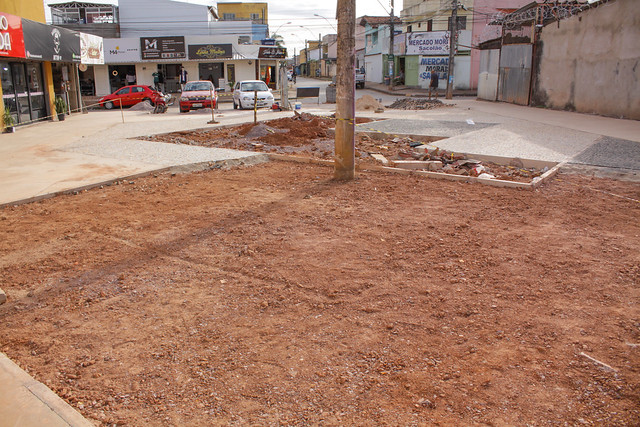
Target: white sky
x=300, y=13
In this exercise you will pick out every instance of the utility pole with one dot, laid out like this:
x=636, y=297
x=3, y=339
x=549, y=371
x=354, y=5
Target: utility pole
x=391, y=58
x=453, y=42
x=319, y=53
x=344, y=160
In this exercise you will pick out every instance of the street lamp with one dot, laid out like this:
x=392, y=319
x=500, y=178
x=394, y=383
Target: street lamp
x=275, y=33
x=328, y=22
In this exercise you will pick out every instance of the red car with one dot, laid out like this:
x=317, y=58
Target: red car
x=198, y=94
x=130, y=95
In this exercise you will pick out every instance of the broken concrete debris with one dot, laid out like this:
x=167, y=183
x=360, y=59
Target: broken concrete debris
x=417, y=104
x=430, y=158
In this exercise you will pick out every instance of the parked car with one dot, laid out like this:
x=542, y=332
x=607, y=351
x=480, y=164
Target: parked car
x=360, y=78
x=197, y=94
x=243, y=93
x=130, y=95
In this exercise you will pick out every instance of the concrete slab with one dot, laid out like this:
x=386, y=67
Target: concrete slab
x=446, y=128
x=27, y=402
x=612, y=153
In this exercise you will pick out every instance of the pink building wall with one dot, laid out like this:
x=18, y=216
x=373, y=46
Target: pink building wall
x=484, y=12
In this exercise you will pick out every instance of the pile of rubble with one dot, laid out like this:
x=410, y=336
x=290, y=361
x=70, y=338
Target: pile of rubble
x=417, y=104
x=430, y=158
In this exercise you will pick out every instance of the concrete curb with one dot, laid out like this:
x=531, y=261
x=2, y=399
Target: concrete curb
x=27, y=402
x=437, y=175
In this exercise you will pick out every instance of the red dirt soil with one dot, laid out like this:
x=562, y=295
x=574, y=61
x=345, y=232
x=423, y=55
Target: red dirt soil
x=275, y=295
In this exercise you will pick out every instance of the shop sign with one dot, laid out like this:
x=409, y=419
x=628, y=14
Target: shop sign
x=91, y=49
x=153, y=48
x=49, y=43
x=432, y=64
x=210, y=51
x=121, y=50
x=272, y=53
x=428, y=43
x=399, y=44
x=11, y=38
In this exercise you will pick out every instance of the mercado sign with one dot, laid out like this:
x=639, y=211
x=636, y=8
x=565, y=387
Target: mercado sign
x=428, y=43
x=49, y=43
x=162, y=47
x=432, y=64
x=11, y=38
x=272, y=52
x=210, y=51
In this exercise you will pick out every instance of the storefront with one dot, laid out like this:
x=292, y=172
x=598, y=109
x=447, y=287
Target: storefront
x=39, y=62
x=169, y=61
x=269, y=64
x=23, y=90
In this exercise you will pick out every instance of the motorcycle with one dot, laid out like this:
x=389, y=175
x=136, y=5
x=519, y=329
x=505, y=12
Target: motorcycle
x=163, y=103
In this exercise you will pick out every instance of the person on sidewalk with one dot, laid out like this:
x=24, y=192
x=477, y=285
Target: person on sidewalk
x=433, y=85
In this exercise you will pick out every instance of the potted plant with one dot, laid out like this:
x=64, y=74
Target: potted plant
x=9, y=123
x=61, y=107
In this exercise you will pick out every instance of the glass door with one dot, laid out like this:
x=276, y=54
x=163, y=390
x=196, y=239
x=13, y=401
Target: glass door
x=8, y=91
x=36, y=91
x=22, y=96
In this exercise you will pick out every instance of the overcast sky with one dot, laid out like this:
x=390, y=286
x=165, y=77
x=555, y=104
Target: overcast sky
x=300, y=13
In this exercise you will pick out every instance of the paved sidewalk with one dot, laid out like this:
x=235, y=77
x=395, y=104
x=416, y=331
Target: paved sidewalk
x=27, y=403
x=90, y=149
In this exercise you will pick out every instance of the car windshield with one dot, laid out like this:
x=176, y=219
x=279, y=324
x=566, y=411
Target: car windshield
x=197, y=86
x=251, y=86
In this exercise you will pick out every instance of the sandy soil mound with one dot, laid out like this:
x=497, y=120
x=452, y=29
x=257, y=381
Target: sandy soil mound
x=367, y=102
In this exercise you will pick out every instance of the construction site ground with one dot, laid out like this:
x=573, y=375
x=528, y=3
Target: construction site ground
x=274, y=295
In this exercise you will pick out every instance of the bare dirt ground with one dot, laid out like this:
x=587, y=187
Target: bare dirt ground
x=274, y=295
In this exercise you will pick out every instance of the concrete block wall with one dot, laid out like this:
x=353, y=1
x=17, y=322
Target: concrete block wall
x=590, y=63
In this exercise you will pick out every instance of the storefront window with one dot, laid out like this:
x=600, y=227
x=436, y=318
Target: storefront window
x=7, y=81
x=23, y=91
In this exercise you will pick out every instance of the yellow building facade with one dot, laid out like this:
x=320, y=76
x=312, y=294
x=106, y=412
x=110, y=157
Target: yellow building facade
x=256, y=12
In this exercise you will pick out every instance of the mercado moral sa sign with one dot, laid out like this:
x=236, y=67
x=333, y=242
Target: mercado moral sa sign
x=428, y=43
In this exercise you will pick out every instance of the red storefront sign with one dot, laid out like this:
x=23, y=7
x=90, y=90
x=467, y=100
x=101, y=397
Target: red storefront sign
x=11, y=36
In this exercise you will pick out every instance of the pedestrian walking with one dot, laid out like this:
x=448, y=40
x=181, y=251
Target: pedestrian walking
x=433, y=85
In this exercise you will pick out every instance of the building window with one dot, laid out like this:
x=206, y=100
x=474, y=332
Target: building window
x=255, y=16
x=374, y=38
x=99, y=15
x=228, y=16
x=65, y=16
x=408, y=28
x=462, y=22
x=430, y=25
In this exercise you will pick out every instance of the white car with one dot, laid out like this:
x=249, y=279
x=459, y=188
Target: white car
x=243, y=93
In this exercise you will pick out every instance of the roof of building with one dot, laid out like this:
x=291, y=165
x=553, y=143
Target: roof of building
x=376, y=21
x=80, y=4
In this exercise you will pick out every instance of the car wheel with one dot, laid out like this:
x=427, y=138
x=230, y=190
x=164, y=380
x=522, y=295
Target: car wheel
x=108, y=105
x=235, y=106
